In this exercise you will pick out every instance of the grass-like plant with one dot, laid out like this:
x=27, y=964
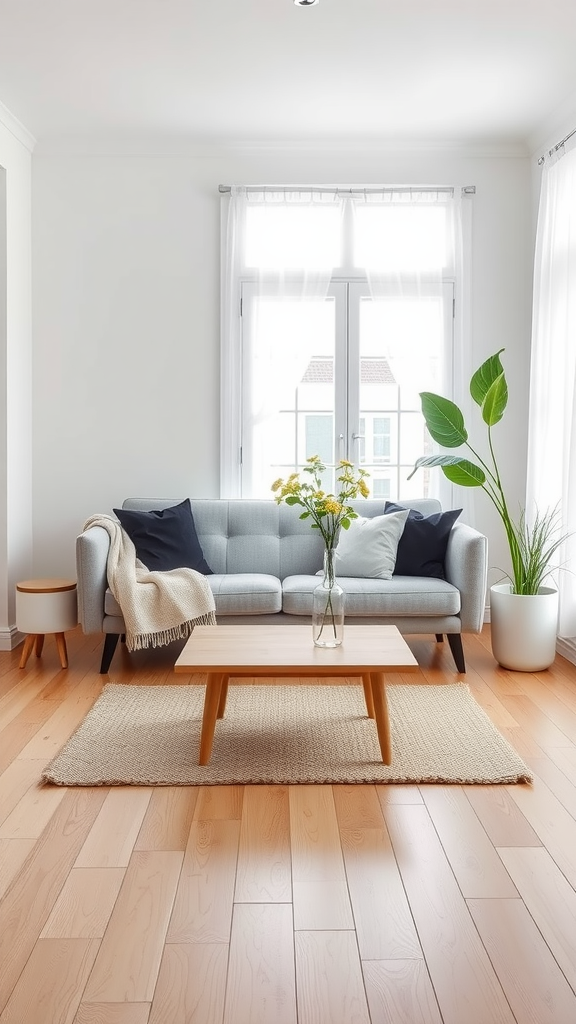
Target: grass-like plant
x=531, y=545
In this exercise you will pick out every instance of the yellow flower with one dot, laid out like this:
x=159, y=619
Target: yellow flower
x=363, y=488
x=332, y=506
x=277, y=484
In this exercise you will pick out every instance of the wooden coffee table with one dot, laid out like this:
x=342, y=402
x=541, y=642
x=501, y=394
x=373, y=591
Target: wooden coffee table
x=224, y=651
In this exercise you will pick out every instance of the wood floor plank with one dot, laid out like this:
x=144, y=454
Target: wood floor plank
x=404, y=794
x=59, y=727
x=32, y=812
x=128, y=960
x=532, y=980
x=51, y=984
x=15, y=781
x=191, y=984
x=550, y=899
x=472, y=857
x=556, y=780
x=29, y=900
x=464, y=981
x=13, y=853
x=204, y=898
x=216, y=802
x=540, y=727
x=384, y=924
x=400, y=992
x=357, y=807
x=166, y=824
x=112, y=1013
x=261, y=983
x=116, y=829
x=320, y=892
x=565, y=758
x=552, y=706
x=329, y=979
x=263, y=873
x=501, y=818
x=85, y=904
x=554, y=825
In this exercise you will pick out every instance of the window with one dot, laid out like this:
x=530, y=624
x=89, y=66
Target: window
x=345, y=307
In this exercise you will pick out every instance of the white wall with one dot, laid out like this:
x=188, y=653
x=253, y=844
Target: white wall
x=126, y=316
x=15, y=368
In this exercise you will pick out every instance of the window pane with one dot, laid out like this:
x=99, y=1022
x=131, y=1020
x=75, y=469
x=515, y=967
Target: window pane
x=395, y=238
x=293, y=237
x=289, y=377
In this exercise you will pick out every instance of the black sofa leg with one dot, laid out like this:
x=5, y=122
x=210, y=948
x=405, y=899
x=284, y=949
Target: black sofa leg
x=110, y=641
x=455, y=641
x=439, y=638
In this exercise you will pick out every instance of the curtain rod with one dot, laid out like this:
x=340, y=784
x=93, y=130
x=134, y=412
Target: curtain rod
x=467, y=189
x=555, y=148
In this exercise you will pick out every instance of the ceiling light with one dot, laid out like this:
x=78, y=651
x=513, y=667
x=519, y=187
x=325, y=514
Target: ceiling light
x=306, y=3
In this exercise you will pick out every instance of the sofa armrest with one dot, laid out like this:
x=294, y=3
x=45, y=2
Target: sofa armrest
x=466, y=566
x=91, y=560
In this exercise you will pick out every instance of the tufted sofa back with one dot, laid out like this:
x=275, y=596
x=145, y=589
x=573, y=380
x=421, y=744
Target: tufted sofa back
x=257, y=535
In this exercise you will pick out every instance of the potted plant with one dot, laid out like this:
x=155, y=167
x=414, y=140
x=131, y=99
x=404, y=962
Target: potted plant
x=523, y=611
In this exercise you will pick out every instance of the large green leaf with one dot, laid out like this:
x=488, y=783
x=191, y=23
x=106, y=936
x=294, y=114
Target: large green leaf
x=496, y=401
x=444, y=420
x=458, y=470
x=485, y=376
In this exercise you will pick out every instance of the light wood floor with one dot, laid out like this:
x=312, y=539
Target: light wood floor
x=275, y=904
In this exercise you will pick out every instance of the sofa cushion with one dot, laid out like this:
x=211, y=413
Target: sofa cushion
x=422, y=546
x=368, y=547
x=402, y=595
x=165, y=538
x=242, y=593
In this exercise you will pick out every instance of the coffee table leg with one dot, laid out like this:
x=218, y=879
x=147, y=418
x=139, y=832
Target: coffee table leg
x=223, y=695
x=211, y=702
x=368, y=695
x=381, y=715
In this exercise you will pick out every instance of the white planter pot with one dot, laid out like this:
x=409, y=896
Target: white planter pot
x=523, y=628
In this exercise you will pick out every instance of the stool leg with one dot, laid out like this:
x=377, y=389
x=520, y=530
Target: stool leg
x=39, y=644
x=61, y=645
x=27, y=649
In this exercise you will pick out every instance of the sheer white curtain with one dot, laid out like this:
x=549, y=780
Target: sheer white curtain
x=286, y=244
x=411, y=243
x=552, y=426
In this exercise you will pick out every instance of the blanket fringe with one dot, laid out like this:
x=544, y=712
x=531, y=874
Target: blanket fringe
x=141, y=641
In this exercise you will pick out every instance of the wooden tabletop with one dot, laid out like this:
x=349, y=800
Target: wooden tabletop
x=48, y=586
x=290, y=651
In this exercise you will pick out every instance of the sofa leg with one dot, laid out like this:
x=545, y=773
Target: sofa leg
x=455, y=641
x=110, y=641
x=439, y=638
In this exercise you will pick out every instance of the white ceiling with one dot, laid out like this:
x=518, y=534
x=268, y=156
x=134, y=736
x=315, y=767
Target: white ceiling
x=476, y=71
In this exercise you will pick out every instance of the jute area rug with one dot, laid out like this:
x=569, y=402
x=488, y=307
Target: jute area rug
x=285, y=734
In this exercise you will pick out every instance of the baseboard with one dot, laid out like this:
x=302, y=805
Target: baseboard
x=10, y=638
x=566, y=646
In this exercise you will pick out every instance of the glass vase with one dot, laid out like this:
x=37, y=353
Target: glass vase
x=328, y=607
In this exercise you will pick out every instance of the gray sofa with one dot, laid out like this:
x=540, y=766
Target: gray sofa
x=265, y=559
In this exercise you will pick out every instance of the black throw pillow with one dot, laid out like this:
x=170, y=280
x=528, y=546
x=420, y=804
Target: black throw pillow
x=165, y=539
x=422, y=546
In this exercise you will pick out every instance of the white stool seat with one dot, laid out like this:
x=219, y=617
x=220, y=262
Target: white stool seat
x=45, y=606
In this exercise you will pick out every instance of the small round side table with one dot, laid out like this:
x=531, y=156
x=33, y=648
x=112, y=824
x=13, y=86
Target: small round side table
x=45, y=606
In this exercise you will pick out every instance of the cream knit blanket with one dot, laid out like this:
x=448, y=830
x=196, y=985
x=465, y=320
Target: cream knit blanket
x=158, y=607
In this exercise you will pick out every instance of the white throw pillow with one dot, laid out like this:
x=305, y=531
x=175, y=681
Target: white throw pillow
x=368, y=547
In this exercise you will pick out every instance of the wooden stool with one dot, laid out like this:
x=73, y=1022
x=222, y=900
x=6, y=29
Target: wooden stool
x=45, y=606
